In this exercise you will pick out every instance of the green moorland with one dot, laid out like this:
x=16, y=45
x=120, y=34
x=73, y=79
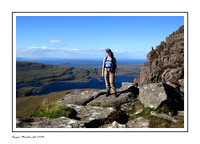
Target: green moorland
x=36, y=73
x=25, y=106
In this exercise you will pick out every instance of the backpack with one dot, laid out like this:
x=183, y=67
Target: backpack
x=112, y=68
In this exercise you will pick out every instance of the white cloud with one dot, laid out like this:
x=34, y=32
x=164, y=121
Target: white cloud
x=99, y=49
x=39, y=48
x=103, y=50
x=74, y=49
x=97, y=53
x=118, y=51
x=55, y=41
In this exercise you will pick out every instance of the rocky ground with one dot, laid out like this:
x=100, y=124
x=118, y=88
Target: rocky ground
x=95, y=110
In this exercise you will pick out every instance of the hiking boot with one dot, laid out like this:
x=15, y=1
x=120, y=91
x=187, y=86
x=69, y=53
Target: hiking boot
x=108, y=93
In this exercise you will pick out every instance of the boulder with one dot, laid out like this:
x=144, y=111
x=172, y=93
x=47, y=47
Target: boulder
x=173, y=75
x=90, y=113
x=164, y=116
x=116, y=125
x=81, y=97
x=122, y=97
x=126, y=94
x=181, y=83
x=152, y=95
x=61, y=122
x=128, y=106
x=126, y=85
x=138, y=112
x=138, y=123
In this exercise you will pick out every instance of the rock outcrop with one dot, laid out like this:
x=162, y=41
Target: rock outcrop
x=39, y=122
x=153, y=95
x=168, y=56
x=162, y=77
x=138, y=123
x=163, y=116
x=93, y=109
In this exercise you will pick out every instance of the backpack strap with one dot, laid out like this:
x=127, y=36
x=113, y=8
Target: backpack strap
x=113, y=63
x=105, y=62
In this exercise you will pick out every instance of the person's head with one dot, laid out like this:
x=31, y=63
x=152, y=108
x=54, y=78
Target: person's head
x=109, y=53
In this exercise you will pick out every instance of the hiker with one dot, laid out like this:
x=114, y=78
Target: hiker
x=109, y=71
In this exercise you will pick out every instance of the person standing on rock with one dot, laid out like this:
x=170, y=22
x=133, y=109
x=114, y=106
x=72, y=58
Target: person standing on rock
x=109, y=71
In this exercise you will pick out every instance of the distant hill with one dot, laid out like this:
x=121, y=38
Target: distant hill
x=36, y=73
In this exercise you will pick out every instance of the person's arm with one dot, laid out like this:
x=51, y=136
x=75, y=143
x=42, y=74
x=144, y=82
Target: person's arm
x=115, y=72
x=115, y=64
x=102, y=73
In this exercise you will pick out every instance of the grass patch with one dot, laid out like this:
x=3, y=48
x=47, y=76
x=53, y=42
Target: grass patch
x=53, y=110
x=145, y=113
x=25, y=106
x=180, y=123
x=164, y=108
x=155, y=122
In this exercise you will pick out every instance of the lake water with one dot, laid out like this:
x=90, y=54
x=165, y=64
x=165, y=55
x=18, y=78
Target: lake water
x=94, y=83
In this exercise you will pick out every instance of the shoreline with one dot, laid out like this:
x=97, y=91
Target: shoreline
x=33, y=90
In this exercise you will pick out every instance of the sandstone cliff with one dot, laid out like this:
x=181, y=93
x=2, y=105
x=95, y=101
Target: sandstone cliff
x=165, y=63
x=161, y=80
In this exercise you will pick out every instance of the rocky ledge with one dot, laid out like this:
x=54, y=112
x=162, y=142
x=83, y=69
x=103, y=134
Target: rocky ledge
x=95, y=110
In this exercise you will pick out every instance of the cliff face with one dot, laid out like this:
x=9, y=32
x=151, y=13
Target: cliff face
x=165, y=60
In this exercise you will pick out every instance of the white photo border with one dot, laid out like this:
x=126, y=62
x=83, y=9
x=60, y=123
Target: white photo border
x=15, y=14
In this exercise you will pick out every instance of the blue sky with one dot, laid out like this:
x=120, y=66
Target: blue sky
x=87, y=37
